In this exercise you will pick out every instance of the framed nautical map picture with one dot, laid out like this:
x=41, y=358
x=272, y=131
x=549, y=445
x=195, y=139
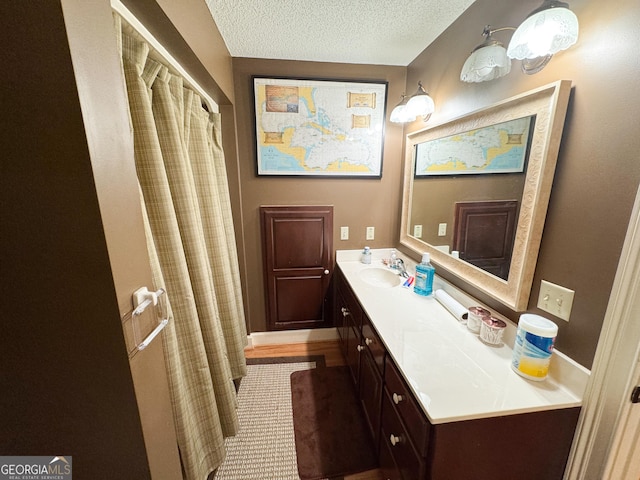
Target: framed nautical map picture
x=498, y=148
x=319, y=128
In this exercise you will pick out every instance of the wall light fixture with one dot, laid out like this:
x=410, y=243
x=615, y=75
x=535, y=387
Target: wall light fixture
x=420, y=104
x=550, y=28
x=399, y=114
x=488, y=60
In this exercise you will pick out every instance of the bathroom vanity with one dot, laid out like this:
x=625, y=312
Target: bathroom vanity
x=440, y=404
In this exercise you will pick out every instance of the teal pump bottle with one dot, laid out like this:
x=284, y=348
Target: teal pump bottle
x=424, y=276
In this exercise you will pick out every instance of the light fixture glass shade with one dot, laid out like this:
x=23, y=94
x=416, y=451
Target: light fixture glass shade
x=400, y=114
x=485, y=63
x=549, y=29
x=420, y=104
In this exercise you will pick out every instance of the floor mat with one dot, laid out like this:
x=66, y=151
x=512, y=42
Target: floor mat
x=331, y=436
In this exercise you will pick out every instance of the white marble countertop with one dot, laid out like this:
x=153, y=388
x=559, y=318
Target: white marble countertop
x=452, y=373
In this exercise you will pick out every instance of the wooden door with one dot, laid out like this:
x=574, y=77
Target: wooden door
x=298, y=261
x=484, y=233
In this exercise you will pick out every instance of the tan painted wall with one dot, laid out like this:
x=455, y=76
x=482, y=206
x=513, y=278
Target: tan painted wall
x=358, y=203
x=187, y=30
x=598, y=167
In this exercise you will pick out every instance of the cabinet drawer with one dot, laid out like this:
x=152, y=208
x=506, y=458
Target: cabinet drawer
x=406, y=406
x=371, y=339
x=396, y=439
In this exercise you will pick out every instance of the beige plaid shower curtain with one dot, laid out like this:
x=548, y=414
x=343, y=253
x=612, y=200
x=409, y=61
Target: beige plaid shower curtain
x=190, y=238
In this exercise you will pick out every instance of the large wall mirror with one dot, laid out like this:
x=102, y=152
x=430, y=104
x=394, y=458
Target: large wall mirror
x=476, y=190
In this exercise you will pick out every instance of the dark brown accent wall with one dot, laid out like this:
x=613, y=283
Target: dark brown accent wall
x=357, y=203
x=66, y=384
x=598, y=167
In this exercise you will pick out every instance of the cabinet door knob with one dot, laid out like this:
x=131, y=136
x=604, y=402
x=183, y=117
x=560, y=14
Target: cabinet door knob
x=359, y=348
x=345, y=311
x=326, y=272
x=394, y=440
x=397, y=398
x=368, y=341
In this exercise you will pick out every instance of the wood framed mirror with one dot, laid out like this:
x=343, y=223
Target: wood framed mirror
x=544, y=110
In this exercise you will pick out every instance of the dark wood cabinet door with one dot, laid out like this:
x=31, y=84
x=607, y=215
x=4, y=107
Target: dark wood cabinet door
x=354, y=347
x=298, y=261
x=371, y=394
x=398, y=441
x=388, y=467
x=484, y=233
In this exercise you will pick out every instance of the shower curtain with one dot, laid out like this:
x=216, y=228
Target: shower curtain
x=190, y=238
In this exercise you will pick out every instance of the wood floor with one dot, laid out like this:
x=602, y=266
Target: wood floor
x=333, y=358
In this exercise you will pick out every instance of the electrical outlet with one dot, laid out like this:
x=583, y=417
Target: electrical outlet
x=555, y=299
x=442, y=229
x=370, y=233
x=344, y=233
x=417, y=231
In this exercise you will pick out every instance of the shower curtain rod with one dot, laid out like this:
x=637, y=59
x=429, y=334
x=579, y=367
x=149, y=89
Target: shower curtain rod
x=210, y=105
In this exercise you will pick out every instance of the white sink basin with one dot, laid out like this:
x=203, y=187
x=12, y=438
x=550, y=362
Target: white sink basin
x=380, y=277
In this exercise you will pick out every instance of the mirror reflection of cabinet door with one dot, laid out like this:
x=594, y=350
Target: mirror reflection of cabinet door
x=484, y=234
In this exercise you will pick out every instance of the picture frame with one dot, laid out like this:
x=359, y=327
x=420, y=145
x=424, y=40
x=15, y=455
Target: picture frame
x=319, y=128
x=495, y=148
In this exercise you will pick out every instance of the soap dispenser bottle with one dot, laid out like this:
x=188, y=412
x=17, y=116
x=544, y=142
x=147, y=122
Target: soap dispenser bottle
x=424, y=276
x=366, y=255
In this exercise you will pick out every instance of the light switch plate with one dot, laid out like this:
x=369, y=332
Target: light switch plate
x=442, y=229
x=370, y=233
x=555, y=299
x=417, y=231
x=344, y=233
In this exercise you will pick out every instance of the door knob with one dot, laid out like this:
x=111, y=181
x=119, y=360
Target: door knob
x=326, y=272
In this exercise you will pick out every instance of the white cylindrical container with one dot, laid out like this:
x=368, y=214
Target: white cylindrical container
x=491, y=330
x=474, y=319
x=533, y=347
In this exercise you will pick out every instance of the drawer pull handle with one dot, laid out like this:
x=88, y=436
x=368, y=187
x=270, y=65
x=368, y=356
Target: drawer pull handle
x=345, y=311
x=397, y=398
x=394, y=440
x=368, y=341
x=359, y=348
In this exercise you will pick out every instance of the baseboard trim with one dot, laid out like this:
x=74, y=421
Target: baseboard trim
x=292, y=336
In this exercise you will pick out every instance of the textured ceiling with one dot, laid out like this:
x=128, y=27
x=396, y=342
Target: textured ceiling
x=377, y=32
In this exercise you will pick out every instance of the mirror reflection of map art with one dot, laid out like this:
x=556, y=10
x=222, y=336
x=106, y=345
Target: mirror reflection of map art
x=499, y=148
x=321, y=128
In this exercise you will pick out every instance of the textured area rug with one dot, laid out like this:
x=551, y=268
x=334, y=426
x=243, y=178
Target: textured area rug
x=331, y=436
x=264, y=448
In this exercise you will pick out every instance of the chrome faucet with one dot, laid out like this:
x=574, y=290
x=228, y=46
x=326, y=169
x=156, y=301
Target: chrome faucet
x=399, y=265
